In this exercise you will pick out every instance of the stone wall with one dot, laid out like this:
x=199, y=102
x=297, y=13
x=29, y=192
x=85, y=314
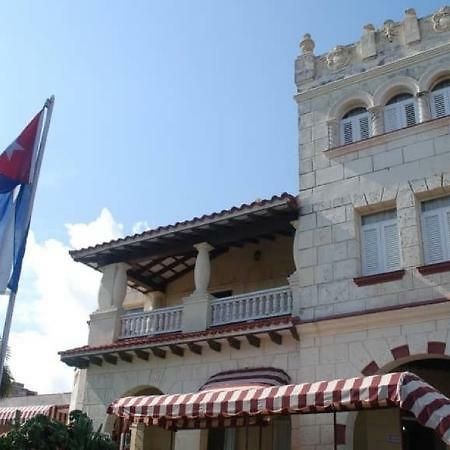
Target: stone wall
x=327, y=350
x=339, y=184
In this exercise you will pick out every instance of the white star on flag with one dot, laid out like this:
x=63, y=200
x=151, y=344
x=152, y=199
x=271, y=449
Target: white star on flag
x=12, y=148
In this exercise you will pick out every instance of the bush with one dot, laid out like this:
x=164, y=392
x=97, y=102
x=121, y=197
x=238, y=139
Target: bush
x=42, y=433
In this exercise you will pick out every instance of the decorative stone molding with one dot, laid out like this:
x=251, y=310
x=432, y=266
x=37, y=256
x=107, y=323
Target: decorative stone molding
x=368, y=44
x=305, y=65
x=338, y=58
x=389, y=30
x=411, y=28
x=307, y=44
x=377, y=119
x=441, y=19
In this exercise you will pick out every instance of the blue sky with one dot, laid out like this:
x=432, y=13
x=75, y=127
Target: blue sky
x=164, y=110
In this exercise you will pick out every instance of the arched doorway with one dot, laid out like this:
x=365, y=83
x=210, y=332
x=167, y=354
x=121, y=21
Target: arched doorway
x=395, y=429
x=141, y=436
x=274, y=436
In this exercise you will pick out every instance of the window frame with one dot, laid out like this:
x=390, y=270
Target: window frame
x=444, y=231
x=379, y=227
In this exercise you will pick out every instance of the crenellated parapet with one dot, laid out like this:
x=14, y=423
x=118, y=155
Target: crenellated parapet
x=377, y=47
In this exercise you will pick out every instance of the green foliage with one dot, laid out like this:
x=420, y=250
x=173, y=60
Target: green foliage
x=42, y=433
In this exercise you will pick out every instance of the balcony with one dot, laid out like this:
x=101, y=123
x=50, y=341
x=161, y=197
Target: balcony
x=237, y=308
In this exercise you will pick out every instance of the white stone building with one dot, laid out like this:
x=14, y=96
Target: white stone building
x=365, y=290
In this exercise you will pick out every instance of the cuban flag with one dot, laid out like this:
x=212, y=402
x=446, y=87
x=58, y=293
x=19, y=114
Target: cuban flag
x=18, y=164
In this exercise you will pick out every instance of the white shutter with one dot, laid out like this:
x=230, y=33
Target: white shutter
x=370, y=250
x=391, y=247
x=364, y=130
x=440, y=103
x=432, y=237
x=409, y=111
x=346, y=131
x=391, y=118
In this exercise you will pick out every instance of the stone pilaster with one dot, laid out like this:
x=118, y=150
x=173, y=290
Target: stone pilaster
x=137, y=436
x=333, y=133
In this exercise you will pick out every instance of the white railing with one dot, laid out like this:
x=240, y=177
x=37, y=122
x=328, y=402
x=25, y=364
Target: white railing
x=163, y=320
x=251, y=306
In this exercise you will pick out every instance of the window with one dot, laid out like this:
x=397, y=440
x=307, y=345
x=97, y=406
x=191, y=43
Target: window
x=440, y=100
x=380, y=243
x=400, y=112
x=436, y=230
x=355, y=126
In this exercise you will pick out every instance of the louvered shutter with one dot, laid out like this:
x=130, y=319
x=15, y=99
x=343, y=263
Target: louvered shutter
x=346, y=131
x=440, y=103
x=391, y=118
x=370, y=250
x=391, y=247
x=409, y=111
x=364, y=130
x=432, y=237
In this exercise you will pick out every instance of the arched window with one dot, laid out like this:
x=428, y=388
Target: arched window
x=400, y=112
x=355, y=126
x=440, y=99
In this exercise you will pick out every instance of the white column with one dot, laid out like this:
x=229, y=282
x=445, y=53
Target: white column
x=376, y=120
x=333, y=133
x=423, y=106
x=293, y=279
x=105, y=323
x=202, y=270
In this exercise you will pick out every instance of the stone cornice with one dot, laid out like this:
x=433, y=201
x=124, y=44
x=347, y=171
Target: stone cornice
x=372, y=73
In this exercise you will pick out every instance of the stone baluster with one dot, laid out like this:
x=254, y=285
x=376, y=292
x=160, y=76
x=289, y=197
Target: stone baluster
x=423, y=106
x=202, y=269
x=333, y=133
x=376, y=120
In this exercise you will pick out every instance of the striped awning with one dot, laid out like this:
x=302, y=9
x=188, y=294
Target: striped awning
x=23, y=413
x=229, y=406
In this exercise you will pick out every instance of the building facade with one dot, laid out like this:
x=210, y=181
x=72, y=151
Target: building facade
x=349, y=278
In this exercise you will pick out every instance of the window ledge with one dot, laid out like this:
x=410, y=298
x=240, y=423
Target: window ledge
x=387, y=137
x=379, y=278
x=429, y=269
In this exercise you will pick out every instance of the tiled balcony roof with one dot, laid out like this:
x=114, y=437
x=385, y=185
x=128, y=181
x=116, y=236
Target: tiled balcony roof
x=159, y=256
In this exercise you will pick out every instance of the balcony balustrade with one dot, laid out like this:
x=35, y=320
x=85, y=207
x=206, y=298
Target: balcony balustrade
x=252, y=306
x=162, y=320
x=237, y=308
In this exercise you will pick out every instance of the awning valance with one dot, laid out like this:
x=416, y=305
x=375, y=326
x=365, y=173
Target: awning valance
x=23, y=413
x=229, y=406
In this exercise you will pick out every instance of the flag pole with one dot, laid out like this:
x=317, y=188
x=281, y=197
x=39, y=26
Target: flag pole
x=12, y=295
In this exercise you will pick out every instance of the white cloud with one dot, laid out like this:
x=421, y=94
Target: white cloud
x=55, y=298
x=140, y=227
x=102, y=229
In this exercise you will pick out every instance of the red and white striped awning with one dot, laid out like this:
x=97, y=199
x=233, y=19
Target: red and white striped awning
x=229, y=406
x=9, y=414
